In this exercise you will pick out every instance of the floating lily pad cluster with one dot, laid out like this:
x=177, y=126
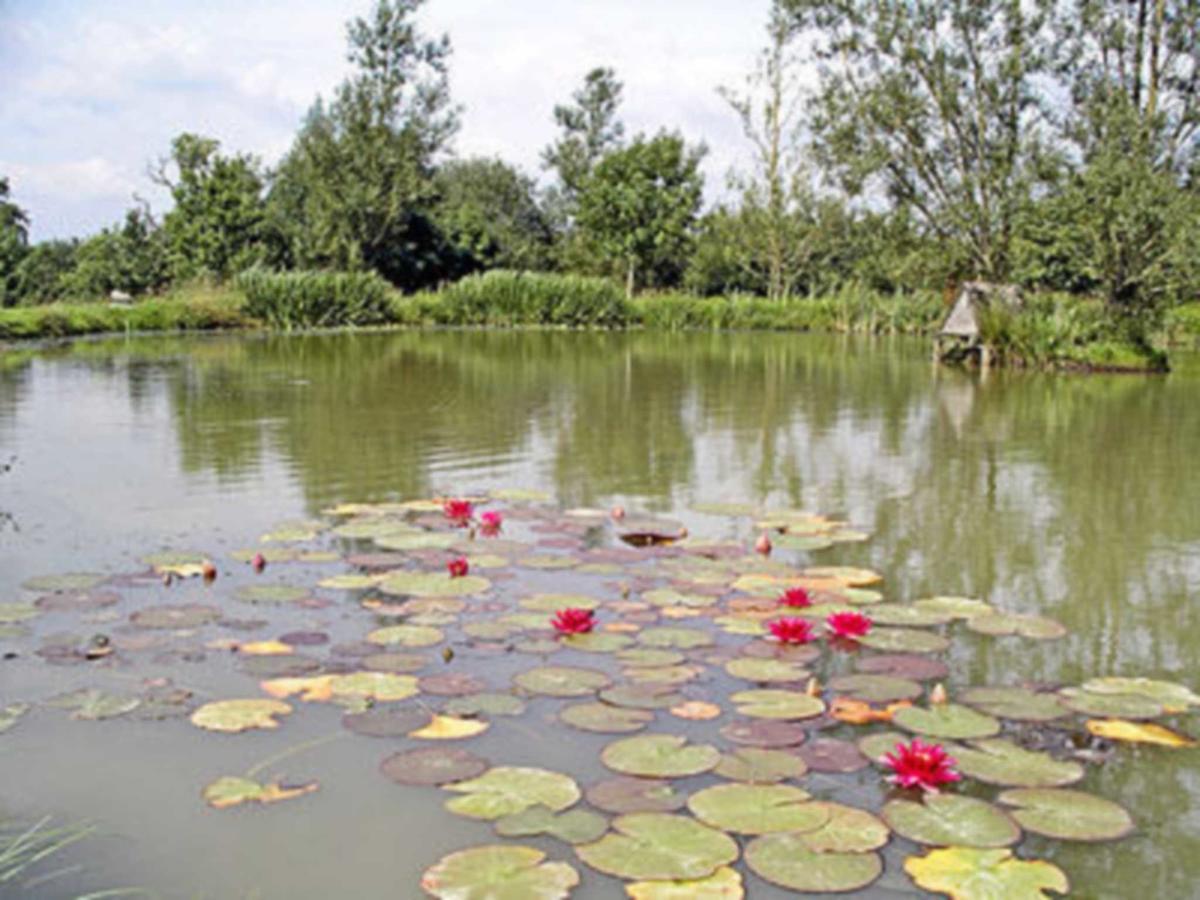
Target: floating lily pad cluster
x=728, y=752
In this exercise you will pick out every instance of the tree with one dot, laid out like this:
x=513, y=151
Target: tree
x=937, y=102
x=14, y=243
x=638, y=209
x=356, y=189
x=133, y=257
x=590, y=129
x=777, y=198
x=217, y=225
x=488, y=212
x=42, y=274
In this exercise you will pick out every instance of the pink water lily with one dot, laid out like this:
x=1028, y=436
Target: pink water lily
x=848, y=625
x=573, y=621
x=490, y=523
x=795, y=597
x=458, y=567
x=458, y=511
x=792, y=631
x=925, y=766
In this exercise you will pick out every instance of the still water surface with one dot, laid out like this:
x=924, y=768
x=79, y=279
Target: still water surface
x=1075, y=498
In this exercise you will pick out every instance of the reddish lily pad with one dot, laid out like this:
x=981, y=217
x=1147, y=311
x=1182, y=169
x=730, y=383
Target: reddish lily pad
x=832, y=756
x=633, y=795
x=902, y=665
x=764, y=733
x=433, y=766
x=383, y=721
x=754, y=765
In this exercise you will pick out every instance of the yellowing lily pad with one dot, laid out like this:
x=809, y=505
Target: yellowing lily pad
x=1138, y=733
x=723, y=884
x=232, y=791
x=232, y=716
x=450, y=728
x=499, y=873
x=506, y=790
x=381, y=686
x=966, y=873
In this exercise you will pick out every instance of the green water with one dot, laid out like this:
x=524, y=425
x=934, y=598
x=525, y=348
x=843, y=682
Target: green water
x=1076, y=498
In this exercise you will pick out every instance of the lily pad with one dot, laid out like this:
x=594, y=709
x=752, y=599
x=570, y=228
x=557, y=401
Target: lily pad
x=550, y=603
x=486, y=703
x=432, y=766
x=450, y=728
x=432, y=584
x=785, y=860
x=232, y=716
x=575, y=826
x=754, y=765
x=876, y=688
x=499, y=873
x=660, y=756
x=965, y=873
x=906, y=640
x=946, y=720
x=950, y=820
x=505, y=790
x=642, y=696
x=1067, y=815
x=231, y=791
x=605, y=719
x=659, y=846
x=175, y=617
x=1000, y=762
x=562, y=681
x=94, y=705
x=774, y=704
x=271, y=593
x=765, y=670
x=847, y=575
x=11, y=613
x=1016, y=704
x=1124, y=706
x=1174, y=697
x=908, y=615
x=632, y=795
x=73, y=581
x=381, y=686
x=597, y=642
x=1002, y=624
x=903, y=665
x=384, y=721
x=757, y=808
x=675, y=638
x=418, y=540
x=833, y=756
x=1138, y=733
x=874, y=746
x=646, y=657
x=723, y=884
x=846, y=830
x=955, y=607
x=401, y=663
x=13, y=713
x=764, y=733
x=406, y=636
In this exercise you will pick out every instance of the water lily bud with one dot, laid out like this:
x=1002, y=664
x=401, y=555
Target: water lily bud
x=618, y=513
x=447, y=654
x=209, y=571
x=259, y=562
x=763, y=544
x=167, y=578
x=938, y=695
x=813, y=688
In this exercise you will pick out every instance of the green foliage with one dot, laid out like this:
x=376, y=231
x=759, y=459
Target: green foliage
x=638, y=210
x=217, y=227
x=356, y=189
x=41, y=276
x=289, y=300
x=14, y=243
x=506, y=299
x=188, y=310
x=590, y=130
x=488, y=212
x=132, y=258
x=1182, y=324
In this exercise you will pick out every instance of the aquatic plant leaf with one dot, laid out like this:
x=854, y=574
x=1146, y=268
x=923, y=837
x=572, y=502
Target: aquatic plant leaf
x=350, y=582
x=876, y=688
x=906, y=640
x=89, y=704
x=946, y=720
x=859, y=712
x=278, y=665
x=382, y=686
x=1016, y=704
x=181, y=564
x=575, y=826
x=833, y=756
x=175, y=617
x=271, y=593
x=754, y=765
x=768, y=733
x=552, y=603
x=660, y=756
x=562, y=681
x=955, y=607
x=874, y=746
x=233, y=716
x=803, y=542
x=1138, y=733
x=776, y=704
x=696, y=711
x=642, y=696
x=764, y=670
x=406, y=636
x=659, y=847
x=902, y=665
x=632, y=795
x=646, y=657
x=847, y=575
x=388, y=721
x=596, y=642
x=605, y=719
x=432, y=766
x=1002, y=624
x=451, y=684
x=432, y=584
x=311, y=689
x=669, y=597
x=11, y=714
x=419, y=540
x=908, y=615
x=846, y=830
x=1001, y=762
x=1067, y=815
x=519, y=495
x=757, y=808
x=230, y=791
x=785, y=860
x=11, y=613
x=264, y=648
x=294, y=532
x=950, y=820
x=499, y=873
x=485, y=703
x=450, y=728
x=505, y=790
x=723, y=884
x=675, y=638
x=966, y=873
x=72, y=581
x=1117, y=706
x=1175, y=698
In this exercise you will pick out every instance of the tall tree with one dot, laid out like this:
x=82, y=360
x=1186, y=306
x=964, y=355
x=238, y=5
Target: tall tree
x=777, y=197
x=936, y=101
x=355, y=190
x=216, y=227
x=638, y=209
x=589, y=129
x=14, y=243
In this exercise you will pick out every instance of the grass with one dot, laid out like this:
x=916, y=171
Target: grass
x=295, y=300
x=502, y=299
x=1182, y=325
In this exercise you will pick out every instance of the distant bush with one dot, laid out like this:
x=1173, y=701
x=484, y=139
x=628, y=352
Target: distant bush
x=192, y=311
x=291, y=300
x=504, y=299
x=1182, y=324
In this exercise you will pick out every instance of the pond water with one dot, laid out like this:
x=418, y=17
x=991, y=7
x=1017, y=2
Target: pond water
x=1067, y=497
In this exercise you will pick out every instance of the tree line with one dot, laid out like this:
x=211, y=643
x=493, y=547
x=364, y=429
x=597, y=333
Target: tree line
x=896, y=144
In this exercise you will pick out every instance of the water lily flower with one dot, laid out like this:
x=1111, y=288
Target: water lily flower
x=926, y=766
x=573, y=621
x=458, y=511
x=792, y=631
x=848, y=624
x=795, y=597
x=259, y=562
x=490, y=522
x=458, y=567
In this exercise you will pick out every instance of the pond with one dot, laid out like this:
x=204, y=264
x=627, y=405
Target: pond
x=1069, y=498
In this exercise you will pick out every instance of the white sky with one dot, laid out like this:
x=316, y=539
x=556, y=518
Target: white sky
x=92, y=90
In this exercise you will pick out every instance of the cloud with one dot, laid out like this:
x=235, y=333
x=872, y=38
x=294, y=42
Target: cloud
x=95, y=91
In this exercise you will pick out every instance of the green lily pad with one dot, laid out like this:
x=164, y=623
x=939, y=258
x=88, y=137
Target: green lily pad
x=175, y=617
x=909, y=615
x=562, y=681
x=946, y=720
x=382, y=686
x=753, y=765
x=485, y=703
x=675, y=638
x=432, y=766
x=1173, y=697
x=775, y=704
x=271, y=593
x=1000, y=762
x=785, y=860
x=294, y=532
x=660, y=847
x=1067, y=815
x=660, y=756
x=374, y=528
x=605, y=719
x=233, y=716
x=11, y=613
x=672, y=675
x=955, y=607
x=1003, y=624
x=668, y=597
x=550, y=603
x=12, y=714
x=401, y=663
x=624, y=795
x=876, y=688
x=723, y=884
x=546, y=562
x=575, y=826
x=874, y=746
x=966, y=873
x=1016, y=704
x=406, y=636
x=432, y=584
x=94, y=705
x=846, y=830
x=349, y=582
x=73, y=581
x=419, y=540
x=499, y=873
x=597, y=642
x=904, y=640
x=757, y=808
x=803, y=542
x=950, y=820
x=642, y=696
x=645, y=657
x=1117, y=706
x=765, y=670
x=505, y=790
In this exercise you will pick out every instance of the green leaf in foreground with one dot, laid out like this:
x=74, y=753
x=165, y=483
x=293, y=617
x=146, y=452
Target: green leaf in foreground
x=949, y=820
x=660, y=756
x=505, y=790
x=785, y=860
x=757, y=808
x=575, y=826
x=1067, y=815
x=965, y=873
x=659, y=847
x=499, y=873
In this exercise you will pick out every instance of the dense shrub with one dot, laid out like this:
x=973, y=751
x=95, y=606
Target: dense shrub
x=290, y=300
x=502, y=298
x=193, y=311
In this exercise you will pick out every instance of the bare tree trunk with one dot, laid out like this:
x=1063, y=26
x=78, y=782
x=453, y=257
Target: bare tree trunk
x=630, y=272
